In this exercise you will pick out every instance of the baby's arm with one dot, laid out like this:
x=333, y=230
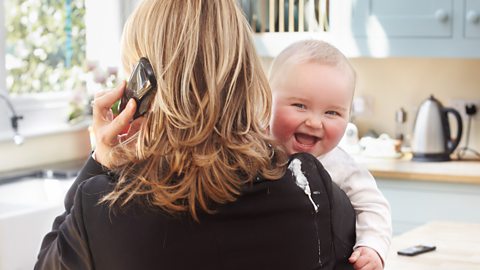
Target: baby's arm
x=373, y=226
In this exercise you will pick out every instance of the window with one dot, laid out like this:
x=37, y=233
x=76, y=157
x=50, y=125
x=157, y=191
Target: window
x=45, y=45
x=57, y=38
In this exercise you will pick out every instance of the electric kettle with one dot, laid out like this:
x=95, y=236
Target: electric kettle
x=431, y=140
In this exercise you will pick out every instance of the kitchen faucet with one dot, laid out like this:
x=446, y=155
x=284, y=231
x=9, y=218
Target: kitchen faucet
x=17, y=138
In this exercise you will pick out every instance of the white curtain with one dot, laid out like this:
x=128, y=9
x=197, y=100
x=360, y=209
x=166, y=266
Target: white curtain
x=104, y=23
x=127, y=7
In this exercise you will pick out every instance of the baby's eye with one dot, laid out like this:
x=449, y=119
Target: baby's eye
x=299, y=105
x=334, y=113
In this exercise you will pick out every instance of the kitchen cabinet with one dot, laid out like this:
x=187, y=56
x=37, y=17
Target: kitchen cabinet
x=27, y=210
x=392, y=28
x=472, y=19
x=432, y=28
x=30, y=199
x=414, y=203
x=420, y=192
x=406, y=18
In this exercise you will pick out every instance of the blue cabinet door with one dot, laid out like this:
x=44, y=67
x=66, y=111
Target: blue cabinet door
x=402, y=18
x=472, y=19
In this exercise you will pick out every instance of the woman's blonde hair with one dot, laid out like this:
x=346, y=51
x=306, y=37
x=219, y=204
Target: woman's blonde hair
x=309, y=51
x=204, y=136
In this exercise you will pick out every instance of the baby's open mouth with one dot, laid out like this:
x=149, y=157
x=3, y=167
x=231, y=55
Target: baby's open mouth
x=306, y=139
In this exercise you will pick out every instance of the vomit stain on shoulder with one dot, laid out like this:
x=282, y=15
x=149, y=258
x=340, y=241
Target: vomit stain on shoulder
x=295, y=167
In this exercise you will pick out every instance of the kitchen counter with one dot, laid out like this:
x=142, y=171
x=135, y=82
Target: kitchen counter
x=405, y=169
x=456, y=247
x=419, y=192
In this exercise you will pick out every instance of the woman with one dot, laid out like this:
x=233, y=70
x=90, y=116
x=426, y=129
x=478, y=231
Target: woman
x=195, y=183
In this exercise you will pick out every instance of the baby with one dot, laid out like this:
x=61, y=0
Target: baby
x=313, y=85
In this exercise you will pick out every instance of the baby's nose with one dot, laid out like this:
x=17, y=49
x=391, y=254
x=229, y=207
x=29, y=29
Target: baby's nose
x=314, y=121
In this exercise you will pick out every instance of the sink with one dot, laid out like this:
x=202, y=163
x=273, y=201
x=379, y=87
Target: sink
x=29, y=202
x=34, y=191
x=6, y=208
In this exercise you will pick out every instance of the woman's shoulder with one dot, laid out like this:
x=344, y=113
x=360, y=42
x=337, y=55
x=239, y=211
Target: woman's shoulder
x=308, y=162
x=308, y=165
x=304, y=158
x=97, y=186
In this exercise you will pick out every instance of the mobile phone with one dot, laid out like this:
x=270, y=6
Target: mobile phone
x=415, y=250
x=141, y=86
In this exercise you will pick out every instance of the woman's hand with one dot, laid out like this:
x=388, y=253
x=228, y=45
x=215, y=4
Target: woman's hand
x=107, y=128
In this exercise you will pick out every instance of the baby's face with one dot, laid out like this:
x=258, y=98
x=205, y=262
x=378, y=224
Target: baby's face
x=311, y=105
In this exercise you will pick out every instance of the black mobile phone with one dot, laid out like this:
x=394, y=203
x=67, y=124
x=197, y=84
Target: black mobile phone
x=415, y=250
x=141, y=86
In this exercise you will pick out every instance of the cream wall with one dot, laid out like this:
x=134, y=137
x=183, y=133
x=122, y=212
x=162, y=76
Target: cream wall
x=392, y=83
x=48, y=149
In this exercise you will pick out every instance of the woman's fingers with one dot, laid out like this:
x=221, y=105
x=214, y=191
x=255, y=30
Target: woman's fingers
x=103, y=102
x=123, y=120
x=109, y=129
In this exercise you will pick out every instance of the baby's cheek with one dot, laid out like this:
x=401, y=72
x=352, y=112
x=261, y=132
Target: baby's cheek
x=281, y=125
x=335, y=133
x=332, y=134
x=279, y=132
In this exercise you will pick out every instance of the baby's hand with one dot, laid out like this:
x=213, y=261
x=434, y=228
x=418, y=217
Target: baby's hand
x=365, y=258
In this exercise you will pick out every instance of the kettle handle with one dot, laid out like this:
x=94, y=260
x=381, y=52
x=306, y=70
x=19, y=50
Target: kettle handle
x=452, y=144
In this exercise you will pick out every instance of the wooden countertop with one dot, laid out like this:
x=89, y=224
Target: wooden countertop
x=406, y=169
x=458, y=247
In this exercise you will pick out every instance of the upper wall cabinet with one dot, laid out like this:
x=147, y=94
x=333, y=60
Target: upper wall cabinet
x=472, y=19
x=370, y=28
x=402, y=19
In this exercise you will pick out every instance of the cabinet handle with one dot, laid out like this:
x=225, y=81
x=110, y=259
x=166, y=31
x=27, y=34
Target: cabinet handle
x=441, y=15
x=473, y=16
